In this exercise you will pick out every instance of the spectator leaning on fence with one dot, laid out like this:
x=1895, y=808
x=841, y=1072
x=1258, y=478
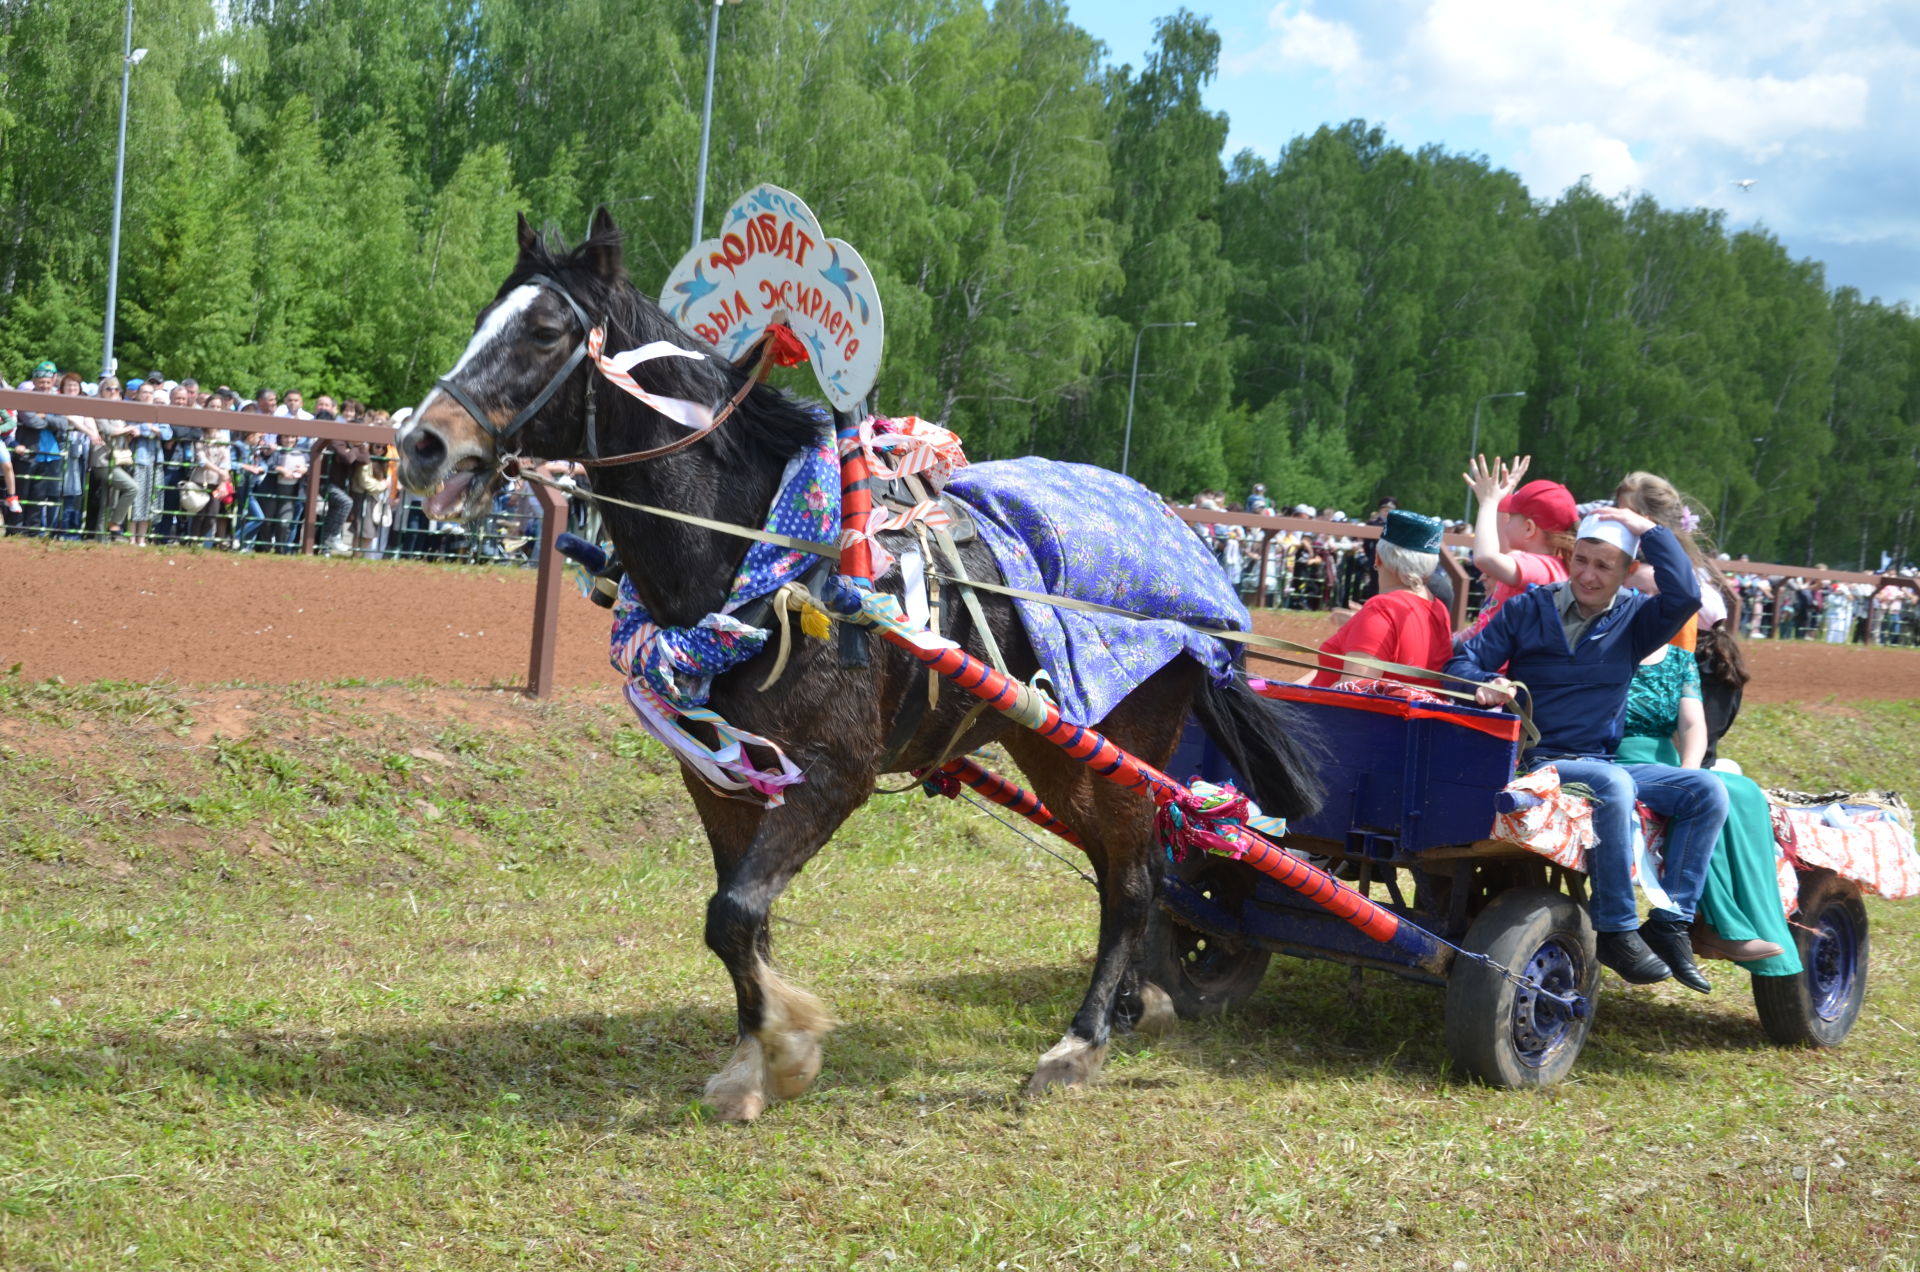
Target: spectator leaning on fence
x=83, y=437
x=40, y=452
x=149, y=439
x=114, y=474
x=9, y=421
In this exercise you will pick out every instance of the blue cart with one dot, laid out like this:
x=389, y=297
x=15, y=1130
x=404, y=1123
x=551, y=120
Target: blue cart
x=1413, y=790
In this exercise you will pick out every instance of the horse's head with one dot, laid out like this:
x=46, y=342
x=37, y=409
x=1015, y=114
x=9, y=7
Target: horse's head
x=522, y=386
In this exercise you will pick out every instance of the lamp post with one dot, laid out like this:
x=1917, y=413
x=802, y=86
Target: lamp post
x=1126, y=445
x=706, y=120
x=1473, y=446
x=129, y=58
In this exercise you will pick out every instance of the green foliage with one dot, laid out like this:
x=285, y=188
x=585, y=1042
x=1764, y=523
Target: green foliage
x=319, y=195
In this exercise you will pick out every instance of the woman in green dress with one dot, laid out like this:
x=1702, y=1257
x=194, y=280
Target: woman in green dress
x=1740, y=916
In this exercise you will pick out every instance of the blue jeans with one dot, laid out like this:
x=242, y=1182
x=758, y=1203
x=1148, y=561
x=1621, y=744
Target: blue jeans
x=1693, y=801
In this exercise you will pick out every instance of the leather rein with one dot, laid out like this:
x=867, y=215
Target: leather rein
x=502, y=438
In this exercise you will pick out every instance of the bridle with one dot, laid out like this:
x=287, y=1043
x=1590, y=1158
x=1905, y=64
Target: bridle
x=501, y=437
x=588, y=348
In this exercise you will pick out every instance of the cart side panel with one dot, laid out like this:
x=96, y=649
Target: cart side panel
x=1401, y=777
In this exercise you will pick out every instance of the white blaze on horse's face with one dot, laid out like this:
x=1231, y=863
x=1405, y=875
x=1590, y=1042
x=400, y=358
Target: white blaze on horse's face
x=441, y=435
x=510, y=307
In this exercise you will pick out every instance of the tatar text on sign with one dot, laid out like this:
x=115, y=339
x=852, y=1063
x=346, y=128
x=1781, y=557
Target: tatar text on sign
x=772, y=263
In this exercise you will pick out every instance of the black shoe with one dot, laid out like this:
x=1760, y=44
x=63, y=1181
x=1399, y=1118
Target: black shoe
x=1670, y=939
x=1628, y=955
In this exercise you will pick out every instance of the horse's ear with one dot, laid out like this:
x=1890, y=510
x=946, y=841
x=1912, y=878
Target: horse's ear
x=602, y=249
x=529, y=238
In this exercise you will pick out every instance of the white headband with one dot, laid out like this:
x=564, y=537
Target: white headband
x=1606, y=530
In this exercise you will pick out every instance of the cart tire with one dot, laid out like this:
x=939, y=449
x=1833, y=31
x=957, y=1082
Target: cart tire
x=1203, y=974
x=1503, y=1033
x=1818, y=1007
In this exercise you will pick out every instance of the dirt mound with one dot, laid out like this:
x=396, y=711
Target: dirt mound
x=105, y=612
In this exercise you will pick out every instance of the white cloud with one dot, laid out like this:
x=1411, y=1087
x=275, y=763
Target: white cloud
x=1299, y=38
x=1558, y=155
x=1611, y=65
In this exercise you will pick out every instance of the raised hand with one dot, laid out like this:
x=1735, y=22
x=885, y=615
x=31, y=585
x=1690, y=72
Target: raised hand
x=1493, y=482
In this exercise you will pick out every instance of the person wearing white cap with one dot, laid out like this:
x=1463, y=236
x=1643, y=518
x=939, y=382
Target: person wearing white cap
x=1575, y=645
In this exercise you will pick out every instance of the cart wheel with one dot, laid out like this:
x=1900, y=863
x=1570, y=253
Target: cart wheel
x=1203, y=974
x=1507, y=1034
x=1818, y=1007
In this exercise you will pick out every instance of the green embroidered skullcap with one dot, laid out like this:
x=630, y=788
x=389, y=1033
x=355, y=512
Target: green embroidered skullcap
x=46, y=369
x=1413, y=532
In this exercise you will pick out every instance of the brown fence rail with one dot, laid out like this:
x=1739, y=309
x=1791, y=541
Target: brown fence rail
x=1263, y=536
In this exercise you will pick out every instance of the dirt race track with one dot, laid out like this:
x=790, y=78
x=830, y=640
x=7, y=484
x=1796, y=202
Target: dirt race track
x=98, y=612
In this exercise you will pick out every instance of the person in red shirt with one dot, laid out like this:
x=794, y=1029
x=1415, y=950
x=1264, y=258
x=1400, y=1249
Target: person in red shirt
x=1522, y=535
x=1402, y=623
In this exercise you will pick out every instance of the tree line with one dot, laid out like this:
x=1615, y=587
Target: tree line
x=320, y=194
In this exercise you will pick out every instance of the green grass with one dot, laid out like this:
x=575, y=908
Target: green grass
x=395, y=977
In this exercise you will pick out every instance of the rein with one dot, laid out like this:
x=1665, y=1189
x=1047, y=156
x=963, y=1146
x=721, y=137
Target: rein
x=720, y=417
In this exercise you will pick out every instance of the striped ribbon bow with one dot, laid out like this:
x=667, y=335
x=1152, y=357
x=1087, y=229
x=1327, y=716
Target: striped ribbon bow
x=618, y=369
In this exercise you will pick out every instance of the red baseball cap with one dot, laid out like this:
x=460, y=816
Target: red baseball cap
x=1548, y=502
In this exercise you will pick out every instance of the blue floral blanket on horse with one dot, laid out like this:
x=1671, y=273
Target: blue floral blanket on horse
x=1092, y=535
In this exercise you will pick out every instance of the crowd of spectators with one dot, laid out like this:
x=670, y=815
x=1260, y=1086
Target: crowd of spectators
x=74, y=470
x=1333, y=571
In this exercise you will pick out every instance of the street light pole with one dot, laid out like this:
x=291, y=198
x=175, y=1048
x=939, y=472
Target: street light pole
x=1473, y=446
x=1126, y=445
x=129, y=58
x=706, y=120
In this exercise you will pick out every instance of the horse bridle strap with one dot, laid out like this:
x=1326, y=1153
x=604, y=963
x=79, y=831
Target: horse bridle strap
x=502, y=436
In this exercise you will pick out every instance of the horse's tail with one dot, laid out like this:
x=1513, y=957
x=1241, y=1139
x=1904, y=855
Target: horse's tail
x=1267, y=742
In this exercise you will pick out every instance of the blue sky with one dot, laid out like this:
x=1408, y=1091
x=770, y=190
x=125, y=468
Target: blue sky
x=1819, y=105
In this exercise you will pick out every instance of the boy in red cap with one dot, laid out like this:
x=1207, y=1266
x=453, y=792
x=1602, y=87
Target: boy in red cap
x=1522, y=535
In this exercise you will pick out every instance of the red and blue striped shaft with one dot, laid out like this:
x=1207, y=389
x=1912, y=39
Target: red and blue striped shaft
x=856, y=504
x=1002, y=692
x=1019, y=799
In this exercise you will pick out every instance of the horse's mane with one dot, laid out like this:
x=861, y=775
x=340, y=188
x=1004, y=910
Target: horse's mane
x=768, y=420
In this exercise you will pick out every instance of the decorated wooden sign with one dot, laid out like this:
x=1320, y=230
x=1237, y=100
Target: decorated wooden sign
x=773, y=264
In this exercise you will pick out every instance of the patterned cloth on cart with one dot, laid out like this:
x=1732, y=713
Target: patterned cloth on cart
x=1867, y=838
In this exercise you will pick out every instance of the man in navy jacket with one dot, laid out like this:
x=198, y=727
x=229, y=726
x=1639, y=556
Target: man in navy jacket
x=1575, y=645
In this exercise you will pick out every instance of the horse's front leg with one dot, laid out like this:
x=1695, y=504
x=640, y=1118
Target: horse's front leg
x=756, y=854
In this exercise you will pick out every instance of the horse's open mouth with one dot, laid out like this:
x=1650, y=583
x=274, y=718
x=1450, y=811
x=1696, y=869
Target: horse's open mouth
x=445, y=503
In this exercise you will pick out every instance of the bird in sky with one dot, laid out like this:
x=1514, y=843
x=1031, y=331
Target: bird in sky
x=1746, y=185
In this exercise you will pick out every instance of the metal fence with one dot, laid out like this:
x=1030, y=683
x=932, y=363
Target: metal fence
x=81, y=491
x=72, y=498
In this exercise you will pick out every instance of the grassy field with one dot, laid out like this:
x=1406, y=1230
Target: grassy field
x=393, y=976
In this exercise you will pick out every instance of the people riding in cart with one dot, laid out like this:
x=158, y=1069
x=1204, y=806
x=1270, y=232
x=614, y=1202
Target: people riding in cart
x=1574, y=645
x=1403, y=622
x=1522, y=535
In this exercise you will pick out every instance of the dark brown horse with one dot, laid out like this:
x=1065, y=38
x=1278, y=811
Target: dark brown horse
x=834, y=721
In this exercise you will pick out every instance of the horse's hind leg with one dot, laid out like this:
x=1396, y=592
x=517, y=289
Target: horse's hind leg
x=756, y=854
x=1116, y=826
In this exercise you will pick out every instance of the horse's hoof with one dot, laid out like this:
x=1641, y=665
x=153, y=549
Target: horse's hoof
x=735, y=1106
x=793, y=1062
x=1157, y=1015
x=738, y=1092
x=1073, y=1062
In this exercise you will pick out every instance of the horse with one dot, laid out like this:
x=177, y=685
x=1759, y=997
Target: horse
x=519, y=391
